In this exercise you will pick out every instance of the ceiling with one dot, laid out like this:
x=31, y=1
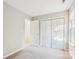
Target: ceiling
x=39, y=7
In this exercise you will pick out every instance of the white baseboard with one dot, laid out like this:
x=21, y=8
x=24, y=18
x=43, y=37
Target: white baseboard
x=18, y=50
x=27, y=45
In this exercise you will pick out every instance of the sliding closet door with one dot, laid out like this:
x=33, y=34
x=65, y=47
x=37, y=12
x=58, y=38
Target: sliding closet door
x=42, y=34
x=58, y=33
x=45, y=33
x=48, y=33
x=35, y=32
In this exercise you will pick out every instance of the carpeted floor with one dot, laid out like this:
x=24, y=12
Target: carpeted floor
x=40, y=53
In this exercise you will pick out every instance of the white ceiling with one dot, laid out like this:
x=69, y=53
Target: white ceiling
x=39, y=7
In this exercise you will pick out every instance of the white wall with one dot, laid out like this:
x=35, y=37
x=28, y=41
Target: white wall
x=72, y=31
x=14, y=29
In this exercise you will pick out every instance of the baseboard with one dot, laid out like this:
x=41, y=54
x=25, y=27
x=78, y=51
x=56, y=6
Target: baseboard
x=70, y=56
x=18, y=50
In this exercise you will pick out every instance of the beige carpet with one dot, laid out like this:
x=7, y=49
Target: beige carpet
x=40, y=53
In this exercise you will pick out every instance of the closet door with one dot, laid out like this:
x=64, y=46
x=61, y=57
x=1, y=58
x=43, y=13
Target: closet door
x=35, y=32
x=58, y=33
x=45, y=33
x=48, y=33
x=42, y=33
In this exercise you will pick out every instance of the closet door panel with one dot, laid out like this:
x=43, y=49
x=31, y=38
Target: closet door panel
x=35, y=32
x=48, y=33
x=42, y=33
x=45, y=33
x=58, y=33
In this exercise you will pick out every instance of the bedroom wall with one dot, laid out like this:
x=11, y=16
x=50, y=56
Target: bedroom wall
x=72, y=31
x=14, y=29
